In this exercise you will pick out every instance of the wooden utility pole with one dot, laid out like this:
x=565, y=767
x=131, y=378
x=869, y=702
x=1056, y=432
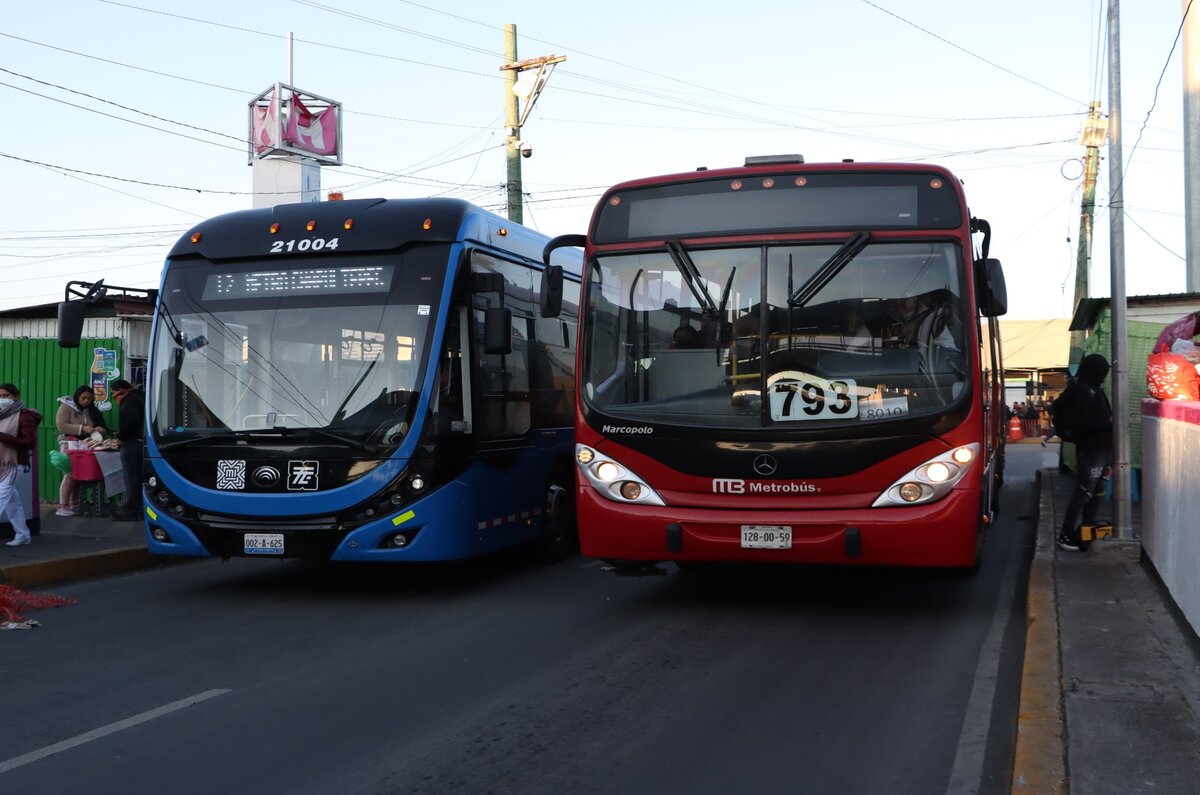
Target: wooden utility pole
x=514, y=119
x=1092, y=137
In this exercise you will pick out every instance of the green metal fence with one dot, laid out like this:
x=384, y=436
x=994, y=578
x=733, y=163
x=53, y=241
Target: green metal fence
x=45, y=372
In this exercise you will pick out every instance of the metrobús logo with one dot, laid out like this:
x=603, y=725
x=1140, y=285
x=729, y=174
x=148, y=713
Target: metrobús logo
x=739, y=486
x=632, y=429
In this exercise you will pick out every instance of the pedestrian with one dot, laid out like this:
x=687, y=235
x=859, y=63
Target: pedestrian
x=131, y=430
x=1084, y=414
x=77, y=418
x=18, y=439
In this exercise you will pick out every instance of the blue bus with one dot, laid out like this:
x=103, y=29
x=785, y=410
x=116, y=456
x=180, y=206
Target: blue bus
x=364, y=380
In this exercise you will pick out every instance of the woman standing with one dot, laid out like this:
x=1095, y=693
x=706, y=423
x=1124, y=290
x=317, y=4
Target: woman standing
x=18, y=437
x=77, y=418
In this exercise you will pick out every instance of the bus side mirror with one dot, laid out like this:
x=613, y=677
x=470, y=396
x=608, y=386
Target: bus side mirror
x=70, y=323
x=560, y=242
x=991, y=290
x=497, y=330
x=550, y=297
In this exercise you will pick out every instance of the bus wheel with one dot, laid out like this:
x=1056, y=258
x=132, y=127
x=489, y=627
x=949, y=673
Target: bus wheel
x=560, y=533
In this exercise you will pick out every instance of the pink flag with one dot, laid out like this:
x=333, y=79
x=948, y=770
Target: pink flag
x=264, y=125
x=316, y=133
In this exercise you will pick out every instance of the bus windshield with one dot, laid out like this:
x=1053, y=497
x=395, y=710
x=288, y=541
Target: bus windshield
x=279, y=346
x=785, y=341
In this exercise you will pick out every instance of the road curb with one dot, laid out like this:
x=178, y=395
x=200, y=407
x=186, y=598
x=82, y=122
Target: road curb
x=77, y=567
x=1039, y=764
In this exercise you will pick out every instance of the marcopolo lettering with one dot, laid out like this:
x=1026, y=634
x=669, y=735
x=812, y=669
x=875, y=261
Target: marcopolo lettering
x=637, y=429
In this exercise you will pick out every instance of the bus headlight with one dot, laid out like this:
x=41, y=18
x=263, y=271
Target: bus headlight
x=614, y=481
x=931, y=480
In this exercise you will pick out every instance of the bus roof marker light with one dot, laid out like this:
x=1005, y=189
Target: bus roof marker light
x=427, y=224
x=768, y=183
x=311, y=225
x=274, y=228
x=614, y=200
x=935, y=183
x=736, y=184
x=801, y=181
x=502, y=232
x=195, y=237
x=349, y=224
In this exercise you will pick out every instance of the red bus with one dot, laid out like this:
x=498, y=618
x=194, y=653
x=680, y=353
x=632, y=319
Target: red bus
x=788, y=362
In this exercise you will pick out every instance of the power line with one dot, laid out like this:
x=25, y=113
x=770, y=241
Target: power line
x=974, y=55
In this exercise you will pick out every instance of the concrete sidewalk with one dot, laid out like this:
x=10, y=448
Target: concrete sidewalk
x=75, y=548
x=1110, y=693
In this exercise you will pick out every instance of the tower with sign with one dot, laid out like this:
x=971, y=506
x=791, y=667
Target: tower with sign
x=292, y=133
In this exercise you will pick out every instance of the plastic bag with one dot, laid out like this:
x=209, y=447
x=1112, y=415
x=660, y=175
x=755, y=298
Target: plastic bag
x=60, y=461
x=1171, y=377
x=1182, y=329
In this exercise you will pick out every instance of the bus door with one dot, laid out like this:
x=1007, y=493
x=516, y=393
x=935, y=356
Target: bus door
x=510, y=471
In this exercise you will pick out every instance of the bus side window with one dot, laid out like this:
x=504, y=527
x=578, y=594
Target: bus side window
x=504, y=408
x=554, y=371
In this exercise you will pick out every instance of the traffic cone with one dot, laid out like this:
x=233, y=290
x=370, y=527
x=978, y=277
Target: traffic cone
x=1014, y=430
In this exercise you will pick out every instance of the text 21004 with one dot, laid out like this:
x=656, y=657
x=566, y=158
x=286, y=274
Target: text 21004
x=304, y=244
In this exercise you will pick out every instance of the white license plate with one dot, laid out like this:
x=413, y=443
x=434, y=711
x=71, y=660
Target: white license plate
x=766, y=536
x=263, y=543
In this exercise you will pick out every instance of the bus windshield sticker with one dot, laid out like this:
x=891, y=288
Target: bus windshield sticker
x=813, y=398
x=877, y=408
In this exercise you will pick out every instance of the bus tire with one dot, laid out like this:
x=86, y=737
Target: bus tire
x=560, y=530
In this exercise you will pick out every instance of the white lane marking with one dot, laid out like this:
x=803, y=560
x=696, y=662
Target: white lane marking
x=967, y=774
x=112, y=728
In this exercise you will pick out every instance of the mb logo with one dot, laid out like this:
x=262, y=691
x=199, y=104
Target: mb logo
x=729, y=486
x=302, y=475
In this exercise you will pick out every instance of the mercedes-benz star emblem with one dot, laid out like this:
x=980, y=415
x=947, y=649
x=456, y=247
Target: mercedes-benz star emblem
x=765, y=464
x=265, y=476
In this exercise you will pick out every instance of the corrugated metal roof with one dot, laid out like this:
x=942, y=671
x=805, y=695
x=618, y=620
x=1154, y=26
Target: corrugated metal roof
x=1036, y=344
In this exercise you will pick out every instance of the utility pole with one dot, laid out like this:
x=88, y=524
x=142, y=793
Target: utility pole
x=514, y=119
x=1191, y=142
x=1122, y=509
x=1092, y=137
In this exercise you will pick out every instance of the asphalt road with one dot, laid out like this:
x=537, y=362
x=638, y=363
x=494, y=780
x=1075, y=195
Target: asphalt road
x=506, y=676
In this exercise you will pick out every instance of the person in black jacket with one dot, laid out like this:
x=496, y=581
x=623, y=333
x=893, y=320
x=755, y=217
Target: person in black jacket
x=1091, y=421
x=131, y=430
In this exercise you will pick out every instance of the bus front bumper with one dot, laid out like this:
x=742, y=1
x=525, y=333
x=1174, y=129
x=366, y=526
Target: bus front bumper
x=943, y=533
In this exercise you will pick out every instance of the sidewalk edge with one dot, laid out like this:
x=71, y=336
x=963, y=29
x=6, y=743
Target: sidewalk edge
x=77, y=567
x=1039, y=764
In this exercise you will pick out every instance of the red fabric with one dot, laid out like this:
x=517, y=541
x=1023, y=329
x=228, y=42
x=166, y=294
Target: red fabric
x=1171, y=377
x=13, y=600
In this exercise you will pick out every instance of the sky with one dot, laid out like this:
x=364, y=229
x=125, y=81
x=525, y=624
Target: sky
x=125, y=122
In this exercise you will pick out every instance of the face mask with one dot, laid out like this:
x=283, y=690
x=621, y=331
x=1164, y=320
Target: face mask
x=5, y=403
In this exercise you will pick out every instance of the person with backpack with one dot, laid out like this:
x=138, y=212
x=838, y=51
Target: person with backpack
x=1083, y=415
x=18, y=440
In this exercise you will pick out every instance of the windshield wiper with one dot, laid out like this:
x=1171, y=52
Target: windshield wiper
x=205, y=437
x=831, y=268
x=340, y=414
x=347, y=440
x=692, y=278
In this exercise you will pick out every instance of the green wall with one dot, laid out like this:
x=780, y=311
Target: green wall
x=45, y=372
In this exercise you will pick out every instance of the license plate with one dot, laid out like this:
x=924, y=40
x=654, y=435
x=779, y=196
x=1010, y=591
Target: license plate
x=263, y=543
x=766, y=536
